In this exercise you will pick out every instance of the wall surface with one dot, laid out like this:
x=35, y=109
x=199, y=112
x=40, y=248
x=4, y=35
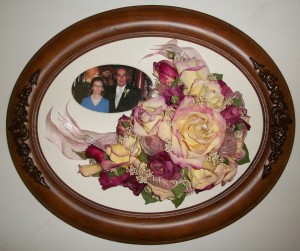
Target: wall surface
x=26, y=225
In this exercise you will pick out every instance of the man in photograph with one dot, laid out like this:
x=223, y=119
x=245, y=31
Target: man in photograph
x=122, y=96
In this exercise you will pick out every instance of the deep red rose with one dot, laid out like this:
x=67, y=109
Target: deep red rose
x=174, y=95
x=232, y=115
x=165, y=72
x=108, y=182
x=95, y=153
x=162, y=166
x=225, y=89
x=134, y=185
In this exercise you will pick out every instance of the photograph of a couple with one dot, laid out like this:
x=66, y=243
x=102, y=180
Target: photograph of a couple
x=111, y=88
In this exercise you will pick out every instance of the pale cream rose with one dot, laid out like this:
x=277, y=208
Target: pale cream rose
x=220, y=172
x=132, y=144
x=209, y=166
x=140, y=167
x=190, y=70
x=196, y=131
x=208, y=92
x=163, y=194
x=198, y=88
x=118, y=153
x=214, y=96
x=148, y=116
x=226, y=173
x=164, y=131
x=201, y=178
x=229, y=176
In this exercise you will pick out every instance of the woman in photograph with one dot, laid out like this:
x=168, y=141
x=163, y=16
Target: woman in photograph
x=96, y=102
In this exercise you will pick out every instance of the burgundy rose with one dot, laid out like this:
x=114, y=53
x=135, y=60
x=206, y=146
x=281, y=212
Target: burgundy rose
x=174, y=95
x=108, y=182
x=134, y=185
x=162, y=166
x=95, y=153
x=232, y=114
x=124, y=123
x=165, y=72
x=225, y=89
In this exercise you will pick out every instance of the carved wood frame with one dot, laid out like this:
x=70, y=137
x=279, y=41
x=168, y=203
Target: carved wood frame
x=145, y=21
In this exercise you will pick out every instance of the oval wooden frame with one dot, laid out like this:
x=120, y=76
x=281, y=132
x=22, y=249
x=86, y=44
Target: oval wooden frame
x=146, y=21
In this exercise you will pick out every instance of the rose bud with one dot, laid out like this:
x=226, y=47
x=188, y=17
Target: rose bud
x=124, y=124
x=95, y=153
x=165, y=72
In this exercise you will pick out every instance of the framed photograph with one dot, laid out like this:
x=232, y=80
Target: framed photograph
x=155, y=58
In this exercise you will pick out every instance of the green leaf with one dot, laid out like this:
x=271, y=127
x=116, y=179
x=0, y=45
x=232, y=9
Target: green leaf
x=81, y=155
x=177, y=201
x=125, y=124
x=170, y=54
x=96, y=174
x=119, y=172
x=175, y=82
x=143, y=157
x=174, y=99
x=148, y=197
x=246, y=159
x=184, y=173
x=239, y=127
x=218, y=76
x=236, y=102
x=226, y=161
x=178, y=190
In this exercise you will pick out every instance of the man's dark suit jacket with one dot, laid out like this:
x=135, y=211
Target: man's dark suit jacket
x=129, y=99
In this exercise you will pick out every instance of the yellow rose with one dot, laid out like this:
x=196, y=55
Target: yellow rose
x=190, y=70
x=163, y=194
x=196, y=131
x=201, y=178
x=208, y=92
x=118, y=153
x=225, y=173
x=132, y=144
x=161, y=187
x=148, y=116
x=164, y=131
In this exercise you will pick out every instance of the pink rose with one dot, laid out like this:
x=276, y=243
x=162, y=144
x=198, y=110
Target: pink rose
x=148, y=116
x=196, y=131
